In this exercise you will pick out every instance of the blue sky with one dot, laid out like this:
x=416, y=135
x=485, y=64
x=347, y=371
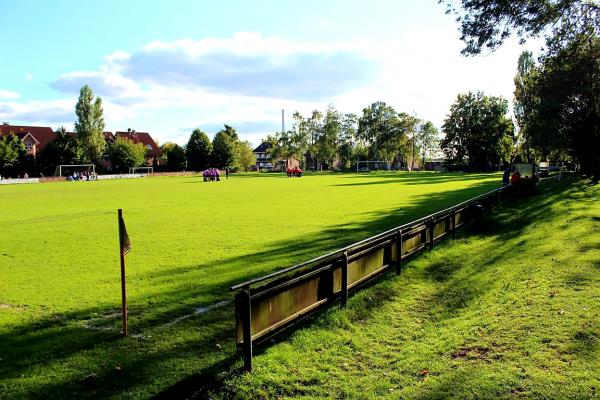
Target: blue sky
x=169, y=67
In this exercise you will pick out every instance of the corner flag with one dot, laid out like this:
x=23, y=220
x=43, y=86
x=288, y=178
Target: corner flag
x=123, y=236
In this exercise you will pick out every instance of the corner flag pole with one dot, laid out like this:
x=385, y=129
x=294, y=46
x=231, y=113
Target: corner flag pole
x=124, y=247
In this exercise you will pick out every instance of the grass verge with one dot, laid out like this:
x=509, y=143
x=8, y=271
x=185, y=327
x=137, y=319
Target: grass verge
x=508, y=310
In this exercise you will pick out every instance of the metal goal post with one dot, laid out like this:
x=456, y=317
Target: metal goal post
x=136, y=170
x=71, y=167
x=365, y=166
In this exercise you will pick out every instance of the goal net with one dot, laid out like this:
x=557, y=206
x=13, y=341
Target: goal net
x=70, y=169
x=141, y=170
x=366, y=166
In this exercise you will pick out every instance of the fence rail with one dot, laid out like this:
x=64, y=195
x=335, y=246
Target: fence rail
x=266, y=305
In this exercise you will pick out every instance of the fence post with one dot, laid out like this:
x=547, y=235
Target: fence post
x=345, y=279
x=431, y=224
x=247, y=328
x=453, y=223
x=399, y=252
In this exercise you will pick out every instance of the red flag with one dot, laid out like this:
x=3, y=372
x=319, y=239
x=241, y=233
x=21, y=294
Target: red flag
x=123, y=236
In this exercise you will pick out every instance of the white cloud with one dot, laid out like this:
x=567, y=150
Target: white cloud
x=103, y=83
x=29, y=77
x=249, y=64
x=169, y=88
x=6, y=94
x=43, y=112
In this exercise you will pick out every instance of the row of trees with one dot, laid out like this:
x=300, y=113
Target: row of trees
x=557, y=98
x=89, y=145
x=225, y=151
x=332, y=139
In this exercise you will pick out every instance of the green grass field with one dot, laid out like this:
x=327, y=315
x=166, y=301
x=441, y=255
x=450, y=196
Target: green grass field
x=509, y=310
x=59, y=271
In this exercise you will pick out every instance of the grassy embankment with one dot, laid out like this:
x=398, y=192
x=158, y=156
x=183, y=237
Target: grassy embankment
x=59, y=271
x=510, y=310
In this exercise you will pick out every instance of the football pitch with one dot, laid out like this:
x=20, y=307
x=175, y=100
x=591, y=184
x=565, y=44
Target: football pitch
x=59, y=266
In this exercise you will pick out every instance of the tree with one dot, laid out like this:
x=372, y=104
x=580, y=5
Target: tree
x=427, y=139
x=314, y=127
x=562, y=98
x=477, y=128
x=347, y=140
x=274, y=149
x=64, y=149
x=225, y=149
x=488, y=23
x=247, y=159
x=300, y=138
x=326, y=144
x=124, y=153
x=384, y=132
x=12, y=155
x=198, y=150
x=173, y=156
x=90, y=125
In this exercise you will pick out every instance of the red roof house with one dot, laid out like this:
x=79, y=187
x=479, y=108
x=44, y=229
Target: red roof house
x=153, y=151
x=35, y=138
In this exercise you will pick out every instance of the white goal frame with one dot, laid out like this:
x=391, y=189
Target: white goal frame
x=367, y=163
x=60, y=167
x=134, y=170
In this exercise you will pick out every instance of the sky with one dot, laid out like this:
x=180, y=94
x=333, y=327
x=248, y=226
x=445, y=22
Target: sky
x=168, y=67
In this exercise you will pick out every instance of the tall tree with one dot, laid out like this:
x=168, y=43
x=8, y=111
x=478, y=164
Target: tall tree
x=427, y=140
x=486, y=24
x=523, y=101
x=479, y=129
x=326, y=144
x=300, y=138
x=198, y=150
x=314, y=129
x=225, y=149
x=90, y=124
x=562, y=119
x=384, y=131
x=347, y=139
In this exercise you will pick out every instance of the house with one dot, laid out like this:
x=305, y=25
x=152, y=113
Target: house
x=152, y=149
x=263, y=160
x=35, y=138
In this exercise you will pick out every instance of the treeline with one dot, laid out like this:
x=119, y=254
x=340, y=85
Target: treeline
x=89, y=145
x=557, y=98
x=225, y=150
x=333, y=140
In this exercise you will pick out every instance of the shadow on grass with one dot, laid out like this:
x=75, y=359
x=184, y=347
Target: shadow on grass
x=419, y=178
x=95, y=363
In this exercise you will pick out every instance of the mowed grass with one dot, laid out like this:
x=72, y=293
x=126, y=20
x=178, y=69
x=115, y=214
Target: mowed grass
x=508, y=310
x=59, y=269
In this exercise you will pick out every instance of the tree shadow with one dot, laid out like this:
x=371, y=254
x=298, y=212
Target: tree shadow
x=421, y=178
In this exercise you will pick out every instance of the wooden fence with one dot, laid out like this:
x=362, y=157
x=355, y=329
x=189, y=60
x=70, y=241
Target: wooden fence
x=264, y=306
